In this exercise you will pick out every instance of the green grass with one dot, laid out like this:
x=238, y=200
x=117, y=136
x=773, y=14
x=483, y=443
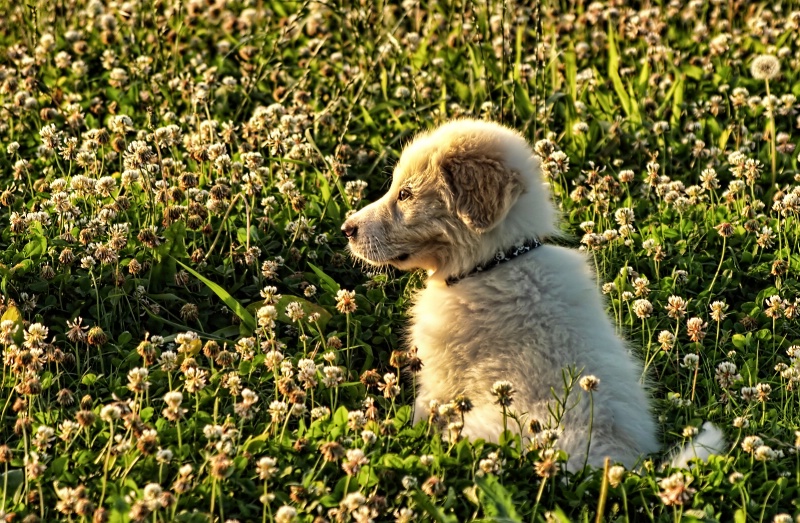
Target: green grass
x=165, y=162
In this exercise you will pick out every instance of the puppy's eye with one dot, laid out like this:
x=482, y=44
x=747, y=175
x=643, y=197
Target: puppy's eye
x=404, y=195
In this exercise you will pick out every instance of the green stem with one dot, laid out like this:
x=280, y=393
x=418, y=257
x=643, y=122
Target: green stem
x=213, y=497
x=591, y=422
x=772, y=152
x=105, y=464
x=719, y=267
x=538, y=499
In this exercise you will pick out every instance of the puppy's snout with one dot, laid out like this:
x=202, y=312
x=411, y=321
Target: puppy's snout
x=350, y=230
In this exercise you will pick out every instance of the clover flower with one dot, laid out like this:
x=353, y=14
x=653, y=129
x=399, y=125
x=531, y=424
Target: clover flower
x=137, y=380
x=689, y=432
x=345, y=301
x=589, y=383
x=675, y=489
x=110, y=413
x=718, y=309
x=727, y=374
x=749, y=394
x=267, y=315
x=356, y=419
x=492, y=464
x=666, y=339
x=774, y=306
x=35, y=335
x=740, y=422
x=765, y=453
x=695, y=329
x=676, y=307
x=266, y=468
x=642, y=308
x=333, y=375
x=173, y=410
x=404, y=515
x=355, y=460
x=690, y=361
x=751, y=443
x=763, y=391
x=616, y=474
x=765, y=67
x=295, y=311
x=504, y=392
x=332, y=451
x=547, y=467
x=725, y=229
x=433, y=486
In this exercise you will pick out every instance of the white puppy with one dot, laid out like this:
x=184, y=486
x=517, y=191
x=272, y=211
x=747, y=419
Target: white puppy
x=468, y=205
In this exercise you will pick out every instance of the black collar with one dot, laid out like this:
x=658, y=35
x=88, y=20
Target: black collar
x=500, y=257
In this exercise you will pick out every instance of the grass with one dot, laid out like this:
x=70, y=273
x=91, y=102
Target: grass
x=185, y=339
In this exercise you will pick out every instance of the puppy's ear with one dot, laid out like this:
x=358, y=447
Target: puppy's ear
x=483, y=189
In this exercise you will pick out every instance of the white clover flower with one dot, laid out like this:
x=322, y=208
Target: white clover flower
x=504, y=391
x=727, y=373
x=624, y=216
x=690, y=432
x=690, y=361
x=346, y=301
x=278, y=410
x=765, y=453
x=267, y=467
x=675, y=489
x=267, y=316
x=110, y=413
x=368, y=437
x=765, y=67
x=580, y=128
x=286, y=514
x=751, y=443
x=642, y=308
x=615, y=475
x=163, y=456
x=295, y=311
x=173, y=399
x=152, y=491
x=741, y=422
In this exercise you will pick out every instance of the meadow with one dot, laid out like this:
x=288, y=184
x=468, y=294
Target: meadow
x=185, y=338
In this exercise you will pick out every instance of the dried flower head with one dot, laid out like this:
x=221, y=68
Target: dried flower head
x=589, y=383
x=725, y=229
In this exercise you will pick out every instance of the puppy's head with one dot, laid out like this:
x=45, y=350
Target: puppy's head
x=452, y=190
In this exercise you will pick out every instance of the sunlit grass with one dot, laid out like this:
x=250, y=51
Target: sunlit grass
x=185, y=339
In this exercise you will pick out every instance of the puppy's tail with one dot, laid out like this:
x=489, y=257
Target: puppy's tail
x=709, y=441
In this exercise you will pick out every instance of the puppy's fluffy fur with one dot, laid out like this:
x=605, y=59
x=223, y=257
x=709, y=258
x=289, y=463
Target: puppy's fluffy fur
x=460, y=194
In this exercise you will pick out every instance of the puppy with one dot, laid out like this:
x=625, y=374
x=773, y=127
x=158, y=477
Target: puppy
x=468, y=205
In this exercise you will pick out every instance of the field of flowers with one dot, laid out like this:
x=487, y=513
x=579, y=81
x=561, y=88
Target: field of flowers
x=184, y=337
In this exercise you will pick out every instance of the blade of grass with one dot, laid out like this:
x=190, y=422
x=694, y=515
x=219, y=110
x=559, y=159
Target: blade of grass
x=229, y=300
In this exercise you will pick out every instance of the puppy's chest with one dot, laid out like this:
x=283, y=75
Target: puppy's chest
x=438, y=320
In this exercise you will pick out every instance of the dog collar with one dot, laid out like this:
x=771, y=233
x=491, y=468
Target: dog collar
x=500, y=257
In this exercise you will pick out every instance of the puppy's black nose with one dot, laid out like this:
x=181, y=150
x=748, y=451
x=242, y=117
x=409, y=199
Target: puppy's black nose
x=350, y=231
